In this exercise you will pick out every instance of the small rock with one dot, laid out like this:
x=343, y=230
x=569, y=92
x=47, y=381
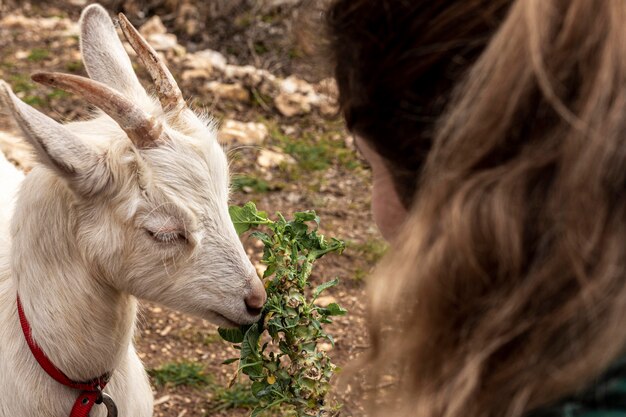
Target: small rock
x=328, y=107
x=166, y=331
x=234, y=92
x=35, y=24
x=154, y=26
x=196, y=73
x=349, y=142
x=292, y=104
x=272, y=4
x=250, y=75
x=242, y=133
x=293, y=198
x=206, y=58
x=271, y=159
x=156, y=34
x=289, y=130
x=187, y=19
x=327, y=87
x=163, y=42
x=325, y=301
x=293, y=84
x=161, y=400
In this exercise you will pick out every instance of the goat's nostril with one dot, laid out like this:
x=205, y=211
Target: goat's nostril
x=254, y=304
x=256, y=299
x=253, y=311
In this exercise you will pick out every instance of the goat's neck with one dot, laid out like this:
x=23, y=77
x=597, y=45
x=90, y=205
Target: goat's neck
x=83, y=325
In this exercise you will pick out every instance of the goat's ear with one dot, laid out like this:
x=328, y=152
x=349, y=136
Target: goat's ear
x=103, y=53
x=57, y=147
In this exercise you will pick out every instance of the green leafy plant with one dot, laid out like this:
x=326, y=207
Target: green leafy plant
x=280, y=354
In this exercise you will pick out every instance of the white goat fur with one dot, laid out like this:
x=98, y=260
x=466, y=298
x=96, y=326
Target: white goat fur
x=80, y=248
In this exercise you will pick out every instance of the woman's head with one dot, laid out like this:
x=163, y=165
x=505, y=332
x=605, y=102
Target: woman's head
x=396, y=63
x=503, y=124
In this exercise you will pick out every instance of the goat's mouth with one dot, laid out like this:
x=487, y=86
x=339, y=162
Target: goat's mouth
x=221, y=320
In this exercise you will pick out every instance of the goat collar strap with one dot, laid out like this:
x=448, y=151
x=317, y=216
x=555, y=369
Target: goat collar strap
x=90, y=391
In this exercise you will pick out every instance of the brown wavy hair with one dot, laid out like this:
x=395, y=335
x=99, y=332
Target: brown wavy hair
x=505, y=124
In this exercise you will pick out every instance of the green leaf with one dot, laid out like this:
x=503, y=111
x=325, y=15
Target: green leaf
x=247, y=216
x=324, y=287
x=231, y=335
x=335, y=246
x=257, y=387
x=334, y=309
x=306, y=216
x=229, y=361
x=250, y=343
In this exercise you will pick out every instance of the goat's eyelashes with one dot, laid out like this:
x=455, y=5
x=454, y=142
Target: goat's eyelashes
x=167, y=237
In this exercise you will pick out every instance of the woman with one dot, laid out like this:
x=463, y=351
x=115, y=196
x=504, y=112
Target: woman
x=495, y=129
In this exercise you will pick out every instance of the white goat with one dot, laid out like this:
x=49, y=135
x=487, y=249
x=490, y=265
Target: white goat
x=132, y=203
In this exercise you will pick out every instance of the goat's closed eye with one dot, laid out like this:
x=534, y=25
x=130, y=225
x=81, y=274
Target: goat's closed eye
x=167, y=236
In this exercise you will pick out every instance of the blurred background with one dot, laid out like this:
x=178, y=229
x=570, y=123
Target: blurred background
x=253, y=67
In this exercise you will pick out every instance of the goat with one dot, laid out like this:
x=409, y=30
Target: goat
x=132, y=204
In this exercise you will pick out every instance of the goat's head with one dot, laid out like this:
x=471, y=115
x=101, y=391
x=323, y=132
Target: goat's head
x=148, y=179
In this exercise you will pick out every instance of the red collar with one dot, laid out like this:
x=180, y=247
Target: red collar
x=90, y=391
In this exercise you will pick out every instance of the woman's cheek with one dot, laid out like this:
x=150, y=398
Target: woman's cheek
x=388, y=211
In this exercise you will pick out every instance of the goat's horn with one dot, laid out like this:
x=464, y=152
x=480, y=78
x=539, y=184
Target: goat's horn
x=142, y=129
x=170, y=96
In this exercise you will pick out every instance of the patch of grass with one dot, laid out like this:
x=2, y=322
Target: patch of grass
x=271, y=18
x=311, y=156
x=74, y=66
x=313, y=149
x=261, y=100
x=22, y=84
x=295, y=53
x=56, y=93
x=34, y=101
x=260, y=48
x=180, y=373
x=7, y=65
x=238, y=396
x=371, y=250
x=38, y=54
x=360, y=274
x=244, y=20
x=211, y=338
x=250, y=184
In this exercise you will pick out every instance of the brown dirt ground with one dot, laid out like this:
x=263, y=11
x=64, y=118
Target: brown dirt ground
x=333, y=182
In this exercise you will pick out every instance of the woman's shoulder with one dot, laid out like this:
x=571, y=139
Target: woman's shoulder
x=605, y=397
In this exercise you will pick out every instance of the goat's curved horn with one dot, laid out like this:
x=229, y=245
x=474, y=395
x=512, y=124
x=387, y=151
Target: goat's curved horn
x=142, y=129
x=170, y=96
